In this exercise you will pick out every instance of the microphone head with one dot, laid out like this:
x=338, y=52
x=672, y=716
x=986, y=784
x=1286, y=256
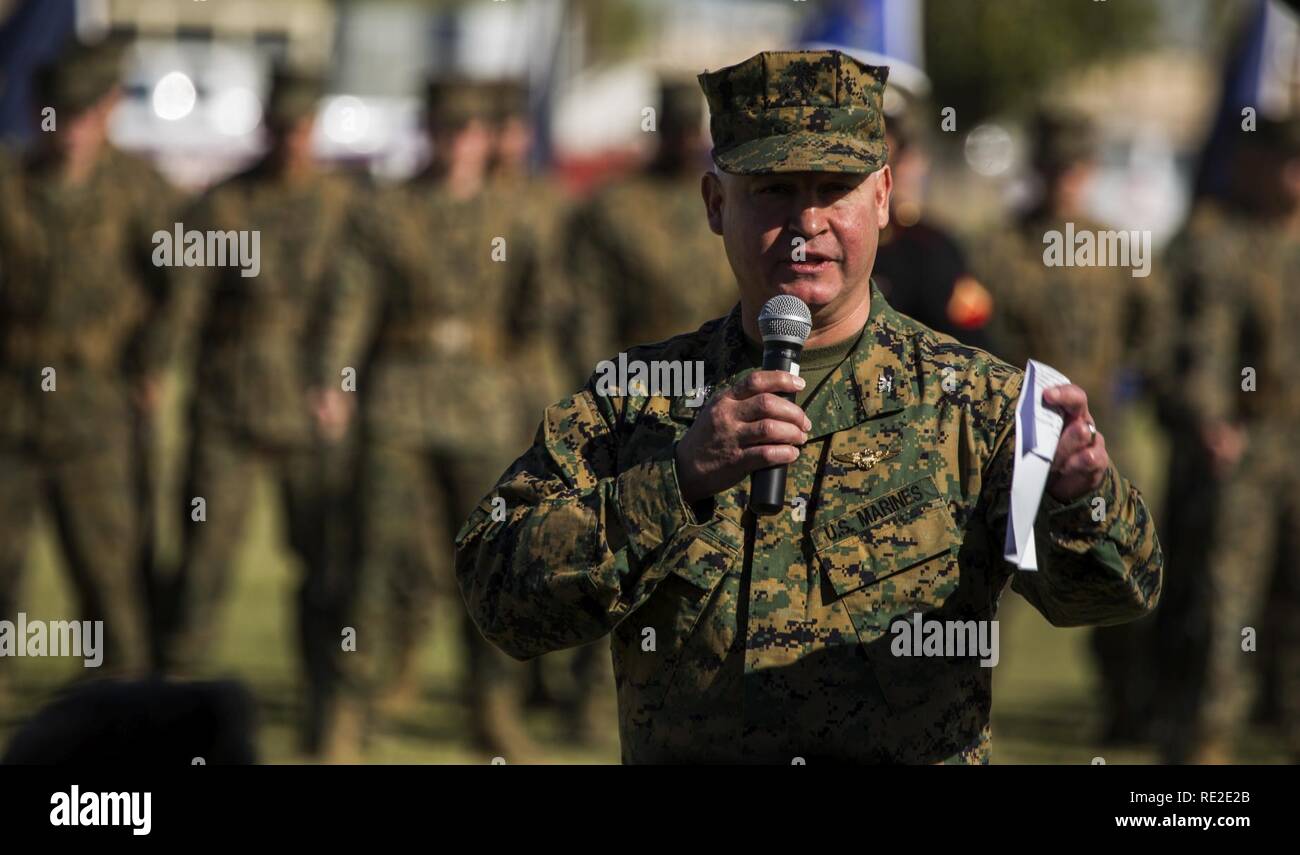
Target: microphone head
x=785, y=319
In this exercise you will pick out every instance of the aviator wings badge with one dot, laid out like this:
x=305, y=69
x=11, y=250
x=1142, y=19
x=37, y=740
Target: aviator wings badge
x=866, y=459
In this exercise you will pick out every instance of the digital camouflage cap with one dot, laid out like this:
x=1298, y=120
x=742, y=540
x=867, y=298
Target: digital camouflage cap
x=509, y=99
x=294, y=95
x=1062, y=139
x=453, y=102
x=82, y=74
x=797, y=111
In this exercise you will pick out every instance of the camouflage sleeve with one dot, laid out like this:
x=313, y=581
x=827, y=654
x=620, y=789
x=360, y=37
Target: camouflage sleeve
x=179, y=316
x=352, y=303
x=1098, y=557
x=532, y=277
x=590, y=271
x=168, y=290
x=994, y=262
x=569, y=543
x=1210, y=384
x=1152, y=321
x=542, y=320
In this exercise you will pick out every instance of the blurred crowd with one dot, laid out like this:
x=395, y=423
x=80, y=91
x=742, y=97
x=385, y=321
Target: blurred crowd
x=399, y=343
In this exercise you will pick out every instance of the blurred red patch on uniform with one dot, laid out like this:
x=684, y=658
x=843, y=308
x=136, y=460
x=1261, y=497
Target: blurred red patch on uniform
x=971, y=304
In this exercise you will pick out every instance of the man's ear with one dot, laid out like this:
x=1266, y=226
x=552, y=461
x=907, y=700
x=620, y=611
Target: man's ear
x=884, y=187
x=712, y=192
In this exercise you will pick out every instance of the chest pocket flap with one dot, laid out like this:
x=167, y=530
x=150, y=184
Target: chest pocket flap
x=889, y=534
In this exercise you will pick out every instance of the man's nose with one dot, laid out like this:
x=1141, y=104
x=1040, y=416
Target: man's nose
x=808, y=217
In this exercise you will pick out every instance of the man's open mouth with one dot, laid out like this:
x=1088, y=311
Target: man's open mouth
x=812, y=262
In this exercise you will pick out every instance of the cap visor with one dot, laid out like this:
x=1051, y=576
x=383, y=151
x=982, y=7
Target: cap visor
x=803, y=151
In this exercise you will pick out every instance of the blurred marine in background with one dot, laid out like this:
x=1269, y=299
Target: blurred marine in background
x=643, y=259
x=1241, y=311
x=253, y=405
x=82, y=346
x=450, y=291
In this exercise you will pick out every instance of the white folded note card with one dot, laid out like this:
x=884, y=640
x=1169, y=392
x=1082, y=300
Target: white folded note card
x=1038, y=429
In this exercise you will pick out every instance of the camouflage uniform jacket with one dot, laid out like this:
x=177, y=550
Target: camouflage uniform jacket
x=444, y=299
x=79, y=294
x=1241, y=311
x=256, y=334
x=771, y=635
x=1091, y=323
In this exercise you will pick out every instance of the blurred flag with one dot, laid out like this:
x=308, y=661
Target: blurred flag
x=35, y=32
x=878, y=32
x=1262, y=72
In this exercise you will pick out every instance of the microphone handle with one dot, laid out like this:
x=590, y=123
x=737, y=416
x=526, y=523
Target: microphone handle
x=767, y=485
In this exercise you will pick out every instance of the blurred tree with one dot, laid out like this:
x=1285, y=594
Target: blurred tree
x=987, y=56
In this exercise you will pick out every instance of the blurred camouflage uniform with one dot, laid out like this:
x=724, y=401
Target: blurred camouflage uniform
x=1246, y=315
x=770, y=635
x=1195, y=259
x=543, y=207
x=251, y=409
x=449, y=285
x=80, y=296
x=643, y=258
x=1091, y=323
x=1098, y=326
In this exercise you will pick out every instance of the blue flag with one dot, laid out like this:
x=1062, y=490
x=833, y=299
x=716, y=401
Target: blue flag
x=878, y=32
x=35, y=33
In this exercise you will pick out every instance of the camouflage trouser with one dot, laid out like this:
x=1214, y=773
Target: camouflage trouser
x=1122, y=652
x=92, y=497
x=1180, y=627
x=221, y=470
x=1258, y=522
x=412, y=503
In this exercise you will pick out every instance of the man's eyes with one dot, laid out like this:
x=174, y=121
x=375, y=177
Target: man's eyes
x=836, y=188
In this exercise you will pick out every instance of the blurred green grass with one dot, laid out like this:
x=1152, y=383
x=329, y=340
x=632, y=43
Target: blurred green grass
x=1045, y=709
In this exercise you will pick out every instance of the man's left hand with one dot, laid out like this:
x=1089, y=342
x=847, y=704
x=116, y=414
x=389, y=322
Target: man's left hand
x=1081, y=459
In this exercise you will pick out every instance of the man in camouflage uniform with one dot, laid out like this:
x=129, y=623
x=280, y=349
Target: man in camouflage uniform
x=1105, y=305
x=745, y=638
x=1087, y=322
x=1241, y=268
x=544, y=208
x=1195, y=471
x=644, y=264
x=449, y=287
x=82, y=347
x=253, y=406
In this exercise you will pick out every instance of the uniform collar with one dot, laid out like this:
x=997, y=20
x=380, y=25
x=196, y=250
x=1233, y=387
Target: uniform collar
x=874, y=380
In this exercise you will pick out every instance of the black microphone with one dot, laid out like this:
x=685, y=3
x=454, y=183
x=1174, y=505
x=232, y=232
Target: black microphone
x=784, y=324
